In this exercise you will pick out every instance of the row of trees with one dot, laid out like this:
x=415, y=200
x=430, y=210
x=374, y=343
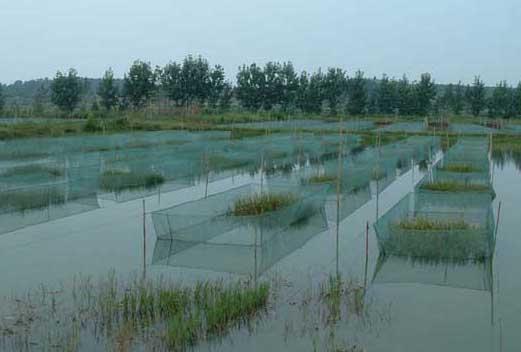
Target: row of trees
x=278, y=86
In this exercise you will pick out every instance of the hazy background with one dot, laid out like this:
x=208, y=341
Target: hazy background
x=452, y=39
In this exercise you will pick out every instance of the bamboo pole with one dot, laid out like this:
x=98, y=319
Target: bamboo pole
x=497, y=220
x=338, y=190
x=366, y=253
x=144, y=242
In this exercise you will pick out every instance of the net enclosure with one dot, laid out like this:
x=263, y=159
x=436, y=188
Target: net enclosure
x=424, y=230
x=449, y=214
x=237, y=214
x=240, y=258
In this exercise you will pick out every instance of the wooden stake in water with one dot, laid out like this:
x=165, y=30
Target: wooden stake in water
x=497, y=220
x=338, y=190
x=366, y=253
x=262, y=171
x=207, y=167
x=144, y=242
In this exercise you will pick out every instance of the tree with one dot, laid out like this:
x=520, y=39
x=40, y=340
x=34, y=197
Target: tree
x=424, y=94
x=310, y=92
x=475, y=96
x=447, y=100
x=225, y=101
x=139, y=84
x=2, y=97
x=357, y=94
x=334, y=87
x=171, y=82
x=290, y=86
x=386, y=95
x=273, y=86
x=405, y=97
x=107, y=91
x=195, y=78
x=517, y=100
x=66, y=90
x=501, y=102
x=250, y=87
x=39, y=99
x=458, y=103
x=217, y=84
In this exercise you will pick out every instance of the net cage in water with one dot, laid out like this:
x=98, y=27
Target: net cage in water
x=220, y=215
x=38, y=204
x=465, y=274
x=416, y=228
x=221, y=255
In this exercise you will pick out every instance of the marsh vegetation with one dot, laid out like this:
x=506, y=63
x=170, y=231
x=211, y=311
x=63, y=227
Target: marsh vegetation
x=261, y=203
x=119, y=180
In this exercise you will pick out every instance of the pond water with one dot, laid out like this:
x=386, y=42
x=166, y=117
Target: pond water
x=409, y=306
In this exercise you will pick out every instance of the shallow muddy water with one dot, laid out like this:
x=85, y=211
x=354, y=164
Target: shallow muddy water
x=407, y=306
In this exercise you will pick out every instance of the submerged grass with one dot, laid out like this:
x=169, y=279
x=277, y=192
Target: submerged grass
x=119, y=181
x=159, y=315
x=454, y=186
x=259, y=204
x=422, y=223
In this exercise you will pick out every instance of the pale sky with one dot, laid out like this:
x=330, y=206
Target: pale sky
x=452, y=39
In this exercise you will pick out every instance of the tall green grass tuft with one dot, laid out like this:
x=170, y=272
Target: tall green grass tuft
x=422, y=223
x=262, y=203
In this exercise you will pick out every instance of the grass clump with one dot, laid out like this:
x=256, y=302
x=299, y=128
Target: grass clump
x=118, y=181
x=32, y=169
x=219, y=162
x=259, y=204
x=454, y=186
x=424, y=224
x=324, y=178
x=461, y=168
x=26, y=200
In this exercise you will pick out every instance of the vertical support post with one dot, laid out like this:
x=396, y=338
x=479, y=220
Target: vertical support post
x=255, y=272
x=366, y=253
x=207, y=167
x=144, y=241
x=262, y=171
x=497, y=220
x=500, y=335
x=338, y=190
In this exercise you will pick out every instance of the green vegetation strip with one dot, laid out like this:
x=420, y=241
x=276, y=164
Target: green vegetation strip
x=422, y=223
x=26, y=200
x=454, y=186
x=317, y=179
x=118, y=181
x=259, y=204
x=461, y=168
x=32, y=169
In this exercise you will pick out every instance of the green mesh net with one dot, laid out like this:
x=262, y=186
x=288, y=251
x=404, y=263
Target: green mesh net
x=427, y=231
x=251, y=258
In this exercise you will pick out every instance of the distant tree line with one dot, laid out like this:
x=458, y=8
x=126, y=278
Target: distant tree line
x=193, y=84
